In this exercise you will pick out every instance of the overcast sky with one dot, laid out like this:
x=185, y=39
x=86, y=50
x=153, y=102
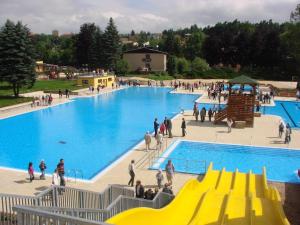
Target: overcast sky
x=43, y=16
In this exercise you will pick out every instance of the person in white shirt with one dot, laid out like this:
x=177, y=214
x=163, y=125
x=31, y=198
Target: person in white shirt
x=147, y=140
x=131, y=171
x=55, y=178
x=159, y=140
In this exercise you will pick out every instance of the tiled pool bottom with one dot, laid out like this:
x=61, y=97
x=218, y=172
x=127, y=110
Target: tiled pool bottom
x=190, y=157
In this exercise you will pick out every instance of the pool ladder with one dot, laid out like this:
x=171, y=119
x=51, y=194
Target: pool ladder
x=74, y=174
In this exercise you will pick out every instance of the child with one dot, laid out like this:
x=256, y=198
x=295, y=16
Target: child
x=159, y=178
x=55, y=178
x=31, y=172
x=162, y=128
x=42, y=167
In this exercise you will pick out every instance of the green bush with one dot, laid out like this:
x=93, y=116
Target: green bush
x=183, y=66
x=122, y=67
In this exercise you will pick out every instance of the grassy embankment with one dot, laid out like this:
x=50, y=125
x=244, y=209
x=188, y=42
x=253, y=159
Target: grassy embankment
x=6, y=92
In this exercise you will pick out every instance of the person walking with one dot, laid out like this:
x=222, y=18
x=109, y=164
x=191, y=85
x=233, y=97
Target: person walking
x=210, y=114
x=281, y=129
x=229, y=124
x=31, y=171
x=169, y=128
x=195, y=108
x=147, y=138
x=202, y=114
x=287, y=136
x=156, y=126
x=42, y=167
x=61, y=172
x=183, y=127
x=197, y=114
x=159, y=178
x=131, y=171
x=139, y=189
x=170, y=170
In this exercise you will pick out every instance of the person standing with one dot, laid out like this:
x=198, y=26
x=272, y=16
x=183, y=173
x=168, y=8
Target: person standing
x=210, y=114
x=42, y=167
x=31, y=171
x=159, y=141
x=61, y=172
x=156, y=126
x=169, y=128
x=139, y=189
x=195, y=108
x=60, y=93
x=170, y=170
x=55, y=178
x=183, y=127
x=131, y=171
x=147, y=140
x=162, y=128
x=159, y=178
x=287, y=136
x=166, y=125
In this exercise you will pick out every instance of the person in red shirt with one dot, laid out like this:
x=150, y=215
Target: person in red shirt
x=162, y=128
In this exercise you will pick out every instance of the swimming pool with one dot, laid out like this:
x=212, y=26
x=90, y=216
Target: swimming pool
x=289, y=111
x=281, y=164
x=89, y=133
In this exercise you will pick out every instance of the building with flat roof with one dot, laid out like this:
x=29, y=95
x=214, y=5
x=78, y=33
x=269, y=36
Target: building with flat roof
x=96, y=80
x=146, y=59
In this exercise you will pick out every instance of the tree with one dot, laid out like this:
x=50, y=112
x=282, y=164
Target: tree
x=183, y=66
x=171, y=65
x=291, y=43
x=122, y=67
x=199, y=66
x=87, y=46
x=17, y=61
x=295, y=15
x=194, y=45
x=111, y=45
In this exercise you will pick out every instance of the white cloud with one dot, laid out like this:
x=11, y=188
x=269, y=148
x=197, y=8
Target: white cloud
x=148, y=15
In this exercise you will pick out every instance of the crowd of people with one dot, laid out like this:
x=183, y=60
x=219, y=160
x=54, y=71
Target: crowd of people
x=150, y=194
x=58, y=176
x=44, y=100
x=285, y=129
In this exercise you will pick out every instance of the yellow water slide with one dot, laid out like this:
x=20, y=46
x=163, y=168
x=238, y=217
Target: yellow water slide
x=222, y=198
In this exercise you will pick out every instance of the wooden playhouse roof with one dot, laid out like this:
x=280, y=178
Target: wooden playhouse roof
x=243, y=80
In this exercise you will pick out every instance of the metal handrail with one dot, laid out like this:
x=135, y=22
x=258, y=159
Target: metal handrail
x=186, y=162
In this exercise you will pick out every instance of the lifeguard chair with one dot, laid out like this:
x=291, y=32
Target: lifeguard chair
x=241, y=102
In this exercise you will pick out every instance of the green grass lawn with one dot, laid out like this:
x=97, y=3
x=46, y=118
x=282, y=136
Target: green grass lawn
x=9, y=100
x=6, y=92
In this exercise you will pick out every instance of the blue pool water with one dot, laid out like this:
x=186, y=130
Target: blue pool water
x=281, y=164
x=288, y=110
x=89, y=133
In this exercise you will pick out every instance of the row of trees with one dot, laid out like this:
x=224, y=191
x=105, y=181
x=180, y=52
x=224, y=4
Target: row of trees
x=91, y=48
x=267, y=49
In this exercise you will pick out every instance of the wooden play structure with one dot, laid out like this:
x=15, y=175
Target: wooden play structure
x=241, y=103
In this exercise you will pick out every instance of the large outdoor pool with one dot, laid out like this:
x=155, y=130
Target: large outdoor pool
x=89, y=133
x=193, y=157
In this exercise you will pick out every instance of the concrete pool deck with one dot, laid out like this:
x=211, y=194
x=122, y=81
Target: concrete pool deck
x=264, y=133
